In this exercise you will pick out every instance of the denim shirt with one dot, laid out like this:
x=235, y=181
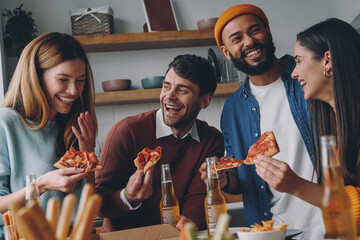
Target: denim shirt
x=240, y=125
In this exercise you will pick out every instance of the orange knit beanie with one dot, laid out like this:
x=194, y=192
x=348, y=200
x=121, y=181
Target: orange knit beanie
x=234, y=12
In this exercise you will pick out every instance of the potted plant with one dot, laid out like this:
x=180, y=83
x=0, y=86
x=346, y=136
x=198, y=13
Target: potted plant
x=19, y=30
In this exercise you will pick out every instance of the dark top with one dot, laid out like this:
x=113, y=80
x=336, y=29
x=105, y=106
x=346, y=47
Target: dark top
x=127, y=138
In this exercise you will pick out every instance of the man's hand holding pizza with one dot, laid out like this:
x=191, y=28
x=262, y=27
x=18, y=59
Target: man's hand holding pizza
x=139, y=186
x=221, y=175
x=265, y=145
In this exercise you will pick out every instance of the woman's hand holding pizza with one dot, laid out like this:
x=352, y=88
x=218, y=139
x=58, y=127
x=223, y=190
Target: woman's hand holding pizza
x=276, y=173
x=139, y=186
x=86, y=133
x=60, y=179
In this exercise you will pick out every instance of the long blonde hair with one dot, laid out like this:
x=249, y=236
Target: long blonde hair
x=26, y=94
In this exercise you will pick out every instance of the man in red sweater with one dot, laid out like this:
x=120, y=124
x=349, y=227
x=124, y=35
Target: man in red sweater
x=130, y=197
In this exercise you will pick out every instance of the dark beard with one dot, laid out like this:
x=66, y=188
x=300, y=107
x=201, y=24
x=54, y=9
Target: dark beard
x=259, y=68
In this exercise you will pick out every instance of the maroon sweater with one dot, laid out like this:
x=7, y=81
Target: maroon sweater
x=127, y=138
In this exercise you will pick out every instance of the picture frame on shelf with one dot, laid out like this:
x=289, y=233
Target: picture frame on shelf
x=159, y=15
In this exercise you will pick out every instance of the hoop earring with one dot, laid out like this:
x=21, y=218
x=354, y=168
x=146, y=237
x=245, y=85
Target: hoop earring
x=327, y=74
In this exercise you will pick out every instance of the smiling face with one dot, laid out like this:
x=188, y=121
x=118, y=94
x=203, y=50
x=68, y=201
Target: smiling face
x=248, y=43
x=63, y=84
x=181, y=102
x=310, y=74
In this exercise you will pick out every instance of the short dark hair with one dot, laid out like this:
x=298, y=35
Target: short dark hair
x=196, y=69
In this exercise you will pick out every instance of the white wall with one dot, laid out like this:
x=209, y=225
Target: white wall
x=286, y=17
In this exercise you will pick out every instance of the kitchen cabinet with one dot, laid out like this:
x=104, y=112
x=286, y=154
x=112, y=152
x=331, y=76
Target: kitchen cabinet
x=148, y=40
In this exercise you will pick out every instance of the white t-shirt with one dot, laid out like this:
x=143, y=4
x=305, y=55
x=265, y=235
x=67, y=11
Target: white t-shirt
x=275, y=115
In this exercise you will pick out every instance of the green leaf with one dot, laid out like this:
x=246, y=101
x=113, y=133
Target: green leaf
x=19, y=29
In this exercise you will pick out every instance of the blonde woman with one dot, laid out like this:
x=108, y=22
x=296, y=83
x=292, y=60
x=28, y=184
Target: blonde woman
x=48, y=108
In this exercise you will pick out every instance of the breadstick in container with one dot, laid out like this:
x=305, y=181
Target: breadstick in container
x=87, y=220
x=52, y=212
x=87, y=190
x=36, y=213
x=28, y=226
x=67, y=209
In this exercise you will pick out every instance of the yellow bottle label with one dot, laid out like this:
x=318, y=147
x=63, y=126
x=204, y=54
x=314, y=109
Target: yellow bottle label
x=338, y=224
x=212, y=214
x=336, y=206
x=170, y=215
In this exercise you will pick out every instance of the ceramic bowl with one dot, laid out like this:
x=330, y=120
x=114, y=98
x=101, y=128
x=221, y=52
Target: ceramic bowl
x=207, y=23
x=116, y=85
x=152, y=82
x=267, y=235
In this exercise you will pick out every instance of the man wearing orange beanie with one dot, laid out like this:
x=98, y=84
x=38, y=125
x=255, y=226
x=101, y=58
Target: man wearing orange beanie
x=268, y=100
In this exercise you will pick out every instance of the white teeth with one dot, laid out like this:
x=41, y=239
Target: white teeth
x=302, y=83
x=252, y=53
x=67, y=100
x=172, y=107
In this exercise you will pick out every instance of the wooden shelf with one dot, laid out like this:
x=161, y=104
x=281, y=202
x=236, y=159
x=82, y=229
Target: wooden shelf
x=147, y=40
x=151, y=95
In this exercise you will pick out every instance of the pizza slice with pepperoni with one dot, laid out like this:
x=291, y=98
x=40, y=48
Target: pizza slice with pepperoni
x=79, y=159
x=147, y=158
x=265, y=145
x=227, y=163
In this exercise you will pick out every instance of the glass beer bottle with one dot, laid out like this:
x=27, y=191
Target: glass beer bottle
x=214, y=201
x=336, y=207
x=32, y=191
x=169, y=205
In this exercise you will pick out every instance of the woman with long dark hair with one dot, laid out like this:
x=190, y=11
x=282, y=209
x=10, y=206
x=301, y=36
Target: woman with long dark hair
x=327, y=59
x=328, y=66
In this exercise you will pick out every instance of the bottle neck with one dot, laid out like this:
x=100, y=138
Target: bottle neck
x=213, y=186
x=165, y=173
x=332, y=174
x=167, y=187
x=32, y=191
x=211, y=176
x=332, y=177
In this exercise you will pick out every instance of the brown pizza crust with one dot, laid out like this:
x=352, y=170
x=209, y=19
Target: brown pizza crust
x=58, y=165
x=148, y=165
x=98, y=167
x=138, y=164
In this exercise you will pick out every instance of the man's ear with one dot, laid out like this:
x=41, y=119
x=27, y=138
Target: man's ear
x=205, y=100
x=225, y=52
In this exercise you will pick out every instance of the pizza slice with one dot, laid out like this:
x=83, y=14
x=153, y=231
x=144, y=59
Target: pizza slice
x=79, y=159
x=147, y=158
x=227, y=163
x=266, y=145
